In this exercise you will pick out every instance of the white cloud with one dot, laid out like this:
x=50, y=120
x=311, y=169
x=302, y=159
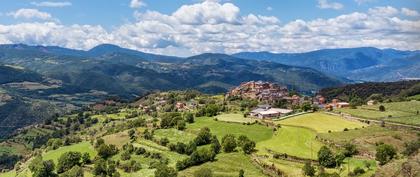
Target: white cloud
x=360, y=2
x=269, y=8
x=30, y=14
x=136, y=4
x=52, y=4
x=219, y=27
x=324, y=4
x=409, y=12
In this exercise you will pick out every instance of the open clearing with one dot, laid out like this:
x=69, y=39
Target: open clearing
x=80, y=147
x=239, y=118
x=399, y=112
x=117, y=139
x=255, y=132
x=174, y=135
x=295, y=141
x=227, y=165
x=321, y=123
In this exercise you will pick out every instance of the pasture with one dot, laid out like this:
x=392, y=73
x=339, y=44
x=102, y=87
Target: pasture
x=321, y=123
x=399, y=112
x=80, y=147
x=255, y=132
x=174, y=135
x=295, y=141
x=227, y=165
x=234, y=117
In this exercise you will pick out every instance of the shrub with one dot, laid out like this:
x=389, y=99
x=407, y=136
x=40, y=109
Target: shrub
x=326, y=157
x=385, y=153
x=164, y=141
x=68, y=160
x=358, y=171
x=203, y=137
x=350, y=150
x=229, y=143
x=203, y=172
x=308, y=169
x=165, y=171
x=382, y=108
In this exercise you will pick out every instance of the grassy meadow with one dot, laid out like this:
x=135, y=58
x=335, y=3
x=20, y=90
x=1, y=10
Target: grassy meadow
x=234, y=117
x=321, y=123
x=80, y=147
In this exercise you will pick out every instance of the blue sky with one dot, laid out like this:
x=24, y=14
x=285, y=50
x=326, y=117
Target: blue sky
x=226, y=26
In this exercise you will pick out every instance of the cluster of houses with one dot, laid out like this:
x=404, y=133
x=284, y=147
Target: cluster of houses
x=160, y=102
x=266, y=111
x=266, y=92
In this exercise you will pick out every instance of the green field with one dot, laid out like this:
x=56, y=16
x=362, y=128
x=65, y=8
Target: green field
x=321, y=122
x=227, y=165
x=117, y=139
x=255, y=132
x=295, y=141
x=400, y=112
x=80, y=147
x=239, y=118
x=174, y=135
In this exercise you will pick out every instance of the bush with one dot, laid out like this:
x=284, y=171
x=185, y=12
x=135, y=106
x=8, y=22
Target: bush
x=350, y=150
x=203, y=137
x=164, y=141
x=412, y=148
x=229, y=143
x=358, y=171
x=189, y=117
x=326, y=157
x=382, y=108
x=165, y=171
x=385, y=153
x=76, y=171
x=308, y=169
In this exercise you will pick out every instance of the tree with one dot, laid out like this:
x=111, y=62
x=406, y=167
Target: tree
x=189, y=117
x=131, y=134
x=241, y=173
x=248, y=147
x=86, y=158
x=339, y=159
x=215, y=144
x=306, y=106
x=164, y=141
x=41, y=168
x=326, y=157
x=411, y=148
x=229, y=143
x=349, y=150
x=382, y=108
x=181, y=124
x=75, y=171
x=125, y=155
x=148, y=135
x=385, y=153
x=68, y=160
x=100, y=167
x=308, y=169
x=164, y=171
x=203, y=172
x=106, y=151
x=203, y=137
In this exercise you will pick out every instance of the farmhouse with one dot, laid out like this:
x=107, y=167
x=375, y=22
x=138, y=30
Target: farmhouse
x=371, y=102
x=265, y=111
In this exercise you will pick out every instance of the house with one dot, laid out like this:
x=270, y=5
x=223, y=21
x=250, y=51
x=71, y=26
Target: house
x=180, y=105
x=342, y=105
x=266, y=111
x=371, y=102
x=338, y=104
x=259, y=90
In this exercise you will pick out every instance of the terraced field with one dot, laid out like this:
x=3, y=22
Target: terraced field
x=399, y=112
x=232, y=117
x=80, y=147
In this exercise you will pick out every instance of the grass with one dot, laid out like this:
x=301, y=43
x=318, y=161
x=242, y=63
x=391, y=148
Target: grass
x=80, y=147
x=174, y=135
x=288, y=167
x=117, y=139
x=400, y=112
x=321, y=122
x=295, y=141
x=153, y=147
x=255, y=132
x=239, y=118
x=227, y=165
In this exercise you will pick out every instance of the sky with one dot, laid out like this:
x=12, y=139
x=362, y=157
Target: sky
x=189, y=27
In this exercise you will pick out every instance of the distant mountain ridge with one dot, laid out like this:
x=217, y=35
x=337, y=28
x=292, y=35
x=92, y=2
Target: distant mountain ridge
x=362, y=64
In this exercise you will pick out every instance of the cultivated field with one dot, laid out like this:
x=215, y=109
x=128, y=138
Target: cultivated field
x=321, y=122
x=80, y=147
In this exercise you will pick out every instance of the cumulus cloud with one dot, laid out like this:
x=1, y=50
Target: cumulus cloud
x=30, y=14
x=409, y=12
x=136, y=4
x=220, y=27
x=51, y=4
x=324, y=4
x=360, y=2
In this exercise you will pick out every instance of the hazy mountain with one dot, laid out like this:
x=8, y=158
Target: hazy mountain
x=352, y=63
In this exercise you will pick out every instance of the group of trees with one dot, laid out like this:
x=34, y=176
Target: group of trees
x=229, y=143
x=176, y=119
x=69, y=165
x=209, y=110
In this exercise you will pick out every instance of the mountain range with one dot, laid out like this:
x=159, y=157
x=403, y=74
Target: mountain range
x=357, y=64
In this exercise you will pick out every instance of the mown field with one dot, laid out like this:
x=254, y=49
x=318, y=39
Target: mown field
x=255, y=132
x=80, y=147
x=234, y=117
x=399, y=112
x=321, y=123
x=295, y=141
